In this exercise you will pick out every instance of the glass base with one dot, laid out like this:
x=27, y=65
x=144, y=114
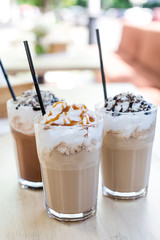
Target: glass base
x=70, y=217
x=124, y=195
x=25, y=184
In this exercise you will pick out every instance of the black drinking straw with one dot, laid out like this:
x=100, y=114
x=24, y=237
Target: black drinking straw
x=8, y=82
x=101, y=63
x=35, y=80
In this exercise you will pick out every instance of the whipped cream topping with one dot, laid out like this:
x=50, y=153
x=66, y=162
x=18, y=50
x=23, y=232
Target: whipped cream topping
x=127, y=102
x=127, y=113
x=68, y=115
x=30, y=98
x=72, y=126
x=22, y=112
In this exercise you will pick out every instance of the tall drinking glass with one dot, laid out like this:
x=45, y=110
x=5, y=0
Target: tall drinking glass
x=21, y=114
x=127, y=149
x=69, y=158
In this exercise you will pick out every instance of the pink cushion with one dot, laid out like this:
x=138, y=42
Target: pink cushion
x=150, y=52
x=118, y=69
x=152, y=94
x=131, y=41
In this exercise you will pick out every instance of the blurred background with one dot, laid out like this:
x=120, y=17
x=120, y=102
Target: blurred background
x=61, y=35
x=70, y=23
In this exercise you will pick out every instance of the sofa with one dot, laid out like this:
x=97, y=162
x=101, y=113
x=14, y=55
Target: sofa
x=5, y=94
x=137, y=59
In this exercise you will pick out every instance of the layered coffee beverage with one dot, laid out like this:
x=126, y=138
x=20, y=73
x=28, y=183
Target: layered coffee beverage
x=21, y=114
x=69, y=139
x=129, y=126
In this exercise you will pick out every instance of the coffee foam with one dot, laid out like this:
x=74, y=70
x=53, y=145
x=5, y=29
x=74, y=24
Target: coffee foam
x=127, y=123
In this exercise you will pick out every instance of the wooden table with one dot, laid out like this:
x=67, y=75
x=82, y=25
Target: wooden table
x=22, y=212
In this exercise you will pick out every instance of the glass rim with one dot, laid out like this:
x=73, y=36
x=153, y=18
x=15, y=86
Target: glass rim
x=100, y=107
x=100, y=119
x=11, y=102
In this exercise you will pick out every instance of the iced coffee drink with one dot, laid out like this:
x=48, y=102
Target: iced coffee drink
x=69, y=139
x=21, y=114
x=129, y=126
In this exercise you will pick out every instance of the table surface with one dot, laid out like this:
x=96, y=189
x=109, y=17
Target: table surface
x=22, y=212
x=86, y=58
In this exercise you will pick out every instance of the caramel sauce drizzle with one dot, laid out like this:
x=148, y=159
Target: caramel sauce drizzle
x=55, y=105
x=64, y=121
x=91, y=119
x=50, y=113
x=65, y=110
x=75, y=107
x=53, y=119
x=87, y=120
x=58, y=116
